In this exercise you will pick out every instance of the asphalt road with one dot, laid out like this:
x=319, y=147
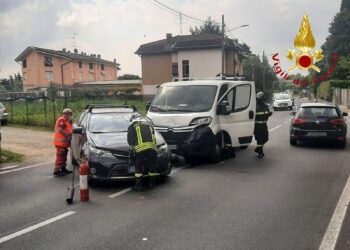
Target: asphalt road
x=284, y=201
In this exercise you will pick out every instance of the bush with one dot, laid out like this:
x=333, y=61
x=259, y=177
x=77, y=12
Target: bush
x=324, y=91
x=343, y=84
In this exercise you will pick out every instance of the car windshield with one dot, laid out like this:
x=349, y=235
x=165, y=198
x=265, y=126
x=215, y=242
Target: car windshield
x=282, y=97
x=184, y=99
x=318, y=112
x=109, y=122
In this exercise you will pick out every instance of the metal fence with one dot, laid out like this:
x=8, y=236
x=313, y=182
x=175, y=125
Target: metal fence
x=42, y=108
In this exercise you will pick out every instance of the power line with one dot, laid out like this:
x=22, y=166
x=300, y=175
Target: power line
x=178, y=12
x=171, y=12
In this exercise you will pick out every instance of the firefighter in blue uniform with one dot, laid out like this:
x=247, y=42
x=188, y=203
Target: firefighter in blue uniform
x=261, y=131
x=142, y=142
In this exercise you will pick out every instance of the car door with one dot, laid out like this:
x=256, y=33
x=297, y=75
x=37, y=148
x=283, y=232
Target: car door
x=239, y=123
x=78, y=139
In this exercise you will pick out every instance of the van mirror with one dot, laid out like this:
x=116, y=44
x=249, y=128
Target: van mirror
x=148, y=105
x=78, y=130
x=345, y=114
x=224, y=108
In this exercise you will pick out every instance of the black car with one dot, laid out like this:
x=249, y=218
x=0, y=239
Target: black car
x=100, y=136
x=319, y=122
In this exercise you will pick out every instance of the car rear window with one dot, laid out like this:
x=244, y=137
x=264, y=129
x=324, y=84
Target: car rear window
x=318, y=112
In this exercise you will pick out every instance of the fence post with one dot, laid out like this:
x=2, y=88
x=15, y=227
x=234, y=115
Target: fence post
x=53, y=107
x=11, y=104
x=65, y=99
x=27, y=110
x=45, y=109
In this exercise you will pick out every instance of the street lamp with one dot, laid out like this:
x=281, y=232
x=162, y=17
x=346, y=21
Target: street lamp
x=244, y=25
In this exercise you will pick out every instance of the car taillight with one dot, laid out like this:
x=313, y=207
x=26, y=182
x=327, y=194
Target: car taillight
x=337, y=122
x=298, y=121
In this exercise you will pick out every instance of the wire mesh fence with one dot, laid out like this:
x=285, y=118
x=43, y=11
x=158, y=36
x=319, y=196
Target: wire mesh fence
x=42, y=108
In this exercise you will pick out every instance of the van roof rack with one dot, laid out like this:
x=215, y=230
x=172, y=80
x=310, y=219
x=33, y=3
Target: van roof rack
x=218, y=77
x=90, y=107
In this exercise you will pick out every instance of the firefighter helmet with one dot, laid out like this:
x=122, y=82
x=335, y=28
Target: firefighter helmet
x=260, y=96
x=137, y=118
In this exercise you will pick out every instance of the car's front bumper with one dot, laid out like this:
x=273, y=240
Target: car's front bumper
x=110, y=168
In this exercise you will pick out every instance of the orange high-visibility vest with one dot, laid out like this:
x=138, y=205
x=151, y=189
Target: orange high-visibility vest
x=59, y=139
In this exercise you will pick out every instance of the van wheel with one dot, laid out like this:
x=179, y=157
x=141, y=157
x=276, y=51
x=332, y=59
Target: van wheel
x=216, y=155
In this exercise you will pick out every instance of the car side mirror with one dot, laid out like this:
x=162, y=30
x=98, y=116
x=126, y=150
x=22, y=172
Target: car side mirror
x=78, y=130
x=224, y=108
x=293, y=113
x=148, y=105
x=345, y=114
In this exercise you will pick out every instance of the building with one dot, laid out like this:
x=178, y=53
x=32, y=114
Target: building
x=40, y=67
x=188, y=57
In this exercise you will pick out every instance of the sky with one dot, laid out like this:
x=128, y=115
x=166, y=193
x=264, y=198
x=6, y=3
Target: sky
x=116, y=28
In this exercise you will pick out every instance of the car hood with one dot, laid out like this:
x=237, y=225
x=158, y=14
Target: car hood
x=116, y=141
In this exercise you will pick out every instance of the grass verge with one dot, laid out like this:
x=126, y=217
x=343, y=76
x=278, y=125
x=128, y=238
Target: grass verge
x=10, y=157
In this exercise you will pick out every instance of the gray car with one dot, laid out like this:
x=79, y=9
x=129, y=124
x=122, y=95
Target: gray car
x=3, y=114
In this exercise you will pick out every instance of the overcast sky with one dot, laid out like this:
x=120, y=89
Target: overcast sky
x=116, y=28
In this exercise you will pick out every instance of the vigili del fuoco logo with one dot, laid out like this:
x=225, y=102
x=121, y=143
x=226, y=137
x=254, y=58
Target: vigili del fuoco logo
x=304, y=59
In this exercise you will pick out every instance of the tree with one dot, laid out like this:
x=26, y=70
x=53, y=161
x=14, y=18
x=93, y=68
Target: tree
x=208, y=27
x=246, y=49
x=128, y=77
x=345, y=5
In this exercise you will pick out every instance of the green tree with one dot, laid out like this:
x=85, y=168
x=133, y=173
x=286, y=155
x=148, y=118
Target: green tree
x=345, y=5
x=128, y=77
x=208, y=27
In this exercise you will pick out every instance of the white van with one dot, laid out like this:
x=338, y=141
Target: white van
x=204, y=118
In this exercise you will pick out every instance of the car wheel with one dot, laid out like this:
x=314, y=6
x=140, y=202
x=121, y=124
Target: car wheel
x=293, y=141
x=216, y=154
x=341, y=144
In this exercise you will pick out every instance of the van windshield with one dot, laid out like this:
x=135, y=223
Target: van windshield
x=197, y=98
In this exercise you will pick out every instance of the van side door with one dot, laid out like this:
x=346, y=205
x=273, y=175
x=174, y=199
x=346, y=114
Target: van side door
x=239, y=121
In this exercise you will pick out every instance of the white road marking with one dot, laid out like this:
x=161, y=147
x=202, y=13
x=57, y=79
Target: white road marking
x=34, y=227
x=331, y=236
x=124, y=191
x=286, y=122
x=144, y=239
x=31, y=166
x=275, y=128
x=10, y=167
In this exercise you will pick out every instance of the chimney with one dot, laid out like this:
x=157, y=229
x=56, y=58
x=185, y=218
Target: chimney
x=82, y=53
x=99, y=56
x=91, y=55
x=169, y=36
x=64, y=49
x=76, y=51
x=115, y=60
x=68, y=51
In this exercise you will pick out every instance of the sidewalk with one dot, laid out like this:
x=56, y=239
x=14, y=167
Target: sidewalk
x=36, y=146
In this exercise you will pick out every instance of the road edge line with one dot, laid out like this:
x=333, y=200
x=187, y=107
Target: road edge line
x=277, y=127
x=26, y=167
x=34, y=227
x=124, y=191
x=331, y=235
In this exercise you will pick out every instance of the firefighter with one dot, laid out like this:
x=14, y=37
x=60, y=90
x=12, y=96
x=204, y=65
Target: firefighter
x=141, y=139
x=261, y=132
x=62, y=140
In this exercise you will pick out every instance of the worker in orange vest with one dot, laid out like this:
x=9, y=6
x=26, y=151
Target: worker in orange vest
x=62, y=140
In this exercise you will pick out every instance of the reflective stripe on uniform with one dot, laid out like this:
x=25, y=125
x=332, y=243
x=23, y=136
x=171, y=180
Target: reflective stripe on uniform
x=262, y=113
x=260, y=122
x=259, y=146
x=138, y=175
x=138, y=134
x=152, y=174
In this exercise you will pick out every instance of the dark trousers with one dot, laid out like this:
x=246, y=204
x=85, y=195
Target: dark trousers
x=147, y=158
x=61, y=157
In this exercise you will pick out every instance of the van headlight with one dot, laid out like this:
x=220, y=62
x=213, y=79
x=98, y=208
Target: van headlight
x=201, y=120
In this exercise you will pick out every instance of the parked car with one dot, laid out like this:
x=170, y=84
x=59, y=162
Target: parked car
x=318, y=122
x=3, y=114
x=100, y=136
x=283, y=101
x=204, y=118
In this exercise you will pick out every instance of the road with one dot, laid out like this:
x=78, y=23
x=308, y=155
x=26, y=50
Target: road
x=284, y=201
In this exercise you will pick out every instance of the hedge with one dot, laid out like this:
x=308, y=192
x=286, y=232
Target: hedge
x=343, y=84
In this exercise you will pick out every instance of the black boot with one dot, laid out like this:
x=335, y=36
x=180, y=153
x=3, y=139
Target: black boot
x=58, y=173
x=261, y=153
x=151, y=181
x=138, y=187
x=65, y=170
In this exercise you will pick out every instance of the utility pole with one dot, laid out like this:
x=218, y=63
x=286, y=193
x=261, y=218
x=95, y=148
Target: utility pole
x=180, y=23
x=223, y=45
x=263, y=63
